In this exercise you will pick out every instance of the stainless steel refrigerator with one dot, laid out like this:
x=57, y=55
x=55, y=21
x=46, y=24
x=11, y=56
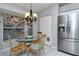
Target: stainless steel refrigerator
x=68, y=33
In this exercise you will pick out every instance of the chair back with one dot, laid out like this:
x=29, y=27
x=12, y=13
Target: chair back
x=39, y=35
x=10, y=43
x=20, y=34
x=43, y=38
x=39, y=44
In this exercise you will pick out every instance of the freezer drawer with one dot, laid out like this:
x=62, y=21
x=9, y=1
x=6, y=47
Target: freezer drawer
x=69, y=46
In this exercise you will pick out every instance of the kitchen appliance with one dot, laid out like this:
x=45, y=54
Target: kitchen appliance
x=68, y=33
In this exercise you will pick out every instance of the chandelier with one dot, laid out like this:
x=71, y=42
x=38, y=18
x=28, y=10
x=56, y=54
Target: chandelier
x=30, y=16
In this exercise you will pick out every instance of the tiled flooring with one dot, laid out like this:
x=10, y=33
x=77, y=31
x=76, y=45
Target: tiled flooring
x=49, y=51
x=54, y=52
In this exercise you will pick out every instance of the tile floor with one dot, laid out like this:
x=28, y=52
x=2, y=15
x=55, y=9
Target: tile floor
x=54, y=52
x=49, y=51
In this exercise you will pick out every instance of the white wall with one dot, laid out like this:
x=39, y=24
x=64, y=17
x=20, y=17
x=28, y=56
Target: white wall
x=1, y=31
x=53, y=11
x=45, y=27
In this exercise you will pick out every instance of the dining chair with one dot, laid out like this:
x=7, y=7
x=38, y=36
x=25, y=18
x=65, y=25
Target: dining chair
x=16, y=50
x=20, y=34
x=38, y=46
x=39, y=34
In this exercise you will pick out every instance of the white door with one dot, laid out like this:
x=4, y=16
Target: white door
x=45, y=27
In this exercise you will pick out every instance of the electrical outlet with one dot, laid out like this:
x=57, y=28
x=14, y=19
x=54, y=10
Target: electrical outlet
x=48, y=38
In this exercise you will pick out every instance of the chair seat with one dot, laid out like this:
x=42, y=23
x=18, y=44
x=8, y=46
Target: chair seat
x=36, y=46
x=14, y=49
x=17, y=48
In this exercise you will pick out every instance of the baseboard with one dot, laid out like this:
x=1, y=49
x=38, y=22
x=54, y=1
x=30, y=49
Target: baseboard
x=67, y=53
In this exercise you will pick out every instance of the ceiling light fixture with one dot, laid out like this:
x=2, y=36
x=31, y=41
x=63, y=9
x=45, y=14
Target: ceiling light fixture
x=30, y=16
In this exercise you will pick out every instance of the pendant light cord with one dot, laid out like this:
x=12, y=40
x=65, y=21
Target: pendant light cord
x=31, y=11
x=31, y=6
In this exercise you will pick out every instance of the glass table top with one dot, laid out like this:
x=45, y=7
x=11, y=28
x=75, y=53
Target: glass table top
x=26, y=39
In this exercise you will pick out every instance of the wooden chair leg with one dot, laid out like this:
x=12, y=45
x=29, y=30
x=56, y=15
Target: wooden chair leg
x=27, y=53
x=39, y=52
x=10, y=54
x=44, y=52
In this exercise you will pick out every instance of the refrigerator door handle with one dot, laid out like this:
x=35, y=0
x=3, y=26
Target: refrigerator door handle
x=67, y=25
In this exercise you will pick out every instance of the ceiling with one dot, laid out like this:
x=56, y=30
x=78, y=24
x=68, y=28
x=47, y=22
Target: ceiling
x=4, y=11
x=36, y=7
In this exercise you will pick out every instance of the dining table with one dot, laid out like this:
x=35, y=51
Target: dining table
x=26, y=41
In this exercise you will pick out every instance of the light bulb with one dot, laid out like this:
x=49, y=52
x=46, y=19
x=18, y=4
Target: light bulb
x=27, y=14
x=35, y=15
